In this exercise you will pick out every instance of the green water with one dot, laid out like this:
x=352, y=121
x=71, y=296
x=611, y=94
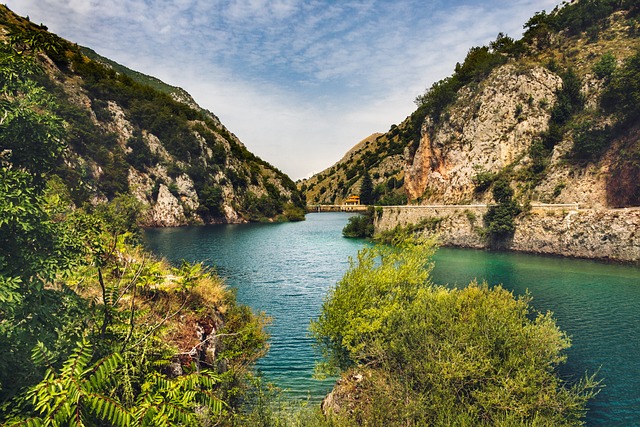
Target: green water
x=286, y=269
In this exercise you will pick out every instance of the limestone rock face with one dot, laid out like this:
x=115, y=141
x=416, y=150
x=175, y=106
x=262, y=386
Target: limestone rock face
x=610, y=234
x=187, y=192
x=487, y=129
x=167, y=211
x=119, y=124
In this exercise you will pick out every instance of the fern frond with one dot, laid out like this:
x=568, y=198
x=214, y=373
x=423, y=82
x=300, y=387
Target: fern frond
x=79, y=359
x=178, y=414
x=30, y=422
x=211, y=401
x=208, y=379
x=143, y=415
x=77, y=418
x=112, y=295
x=109, y=409
x=69, y=398
x=171, y=402
x=41, y=355
x=98, y=374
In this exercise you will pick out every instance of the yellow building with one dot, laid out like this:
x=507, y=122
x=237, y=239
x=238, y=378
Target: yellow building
x=352, y=200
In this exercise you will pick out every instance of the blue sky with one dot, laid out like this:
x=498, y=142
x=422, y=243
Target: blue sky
x=300, y=82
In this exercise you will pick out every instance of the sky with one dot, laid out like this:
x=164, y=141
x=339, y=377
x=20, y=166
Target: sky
x=298, y=81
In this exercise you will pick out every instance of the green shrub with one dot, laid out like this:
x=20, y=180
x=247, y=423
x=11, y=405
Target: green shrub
x=360, y=225
x=211, y=199
x=293, y=212
x=500, y=219
x=518, y=111
x=261, y=208
x=622, y=96
x=483, y=179
x=394, y=198
x=589, y=142
x=429, y=355
x=140, y=156
x=115, y=177
x=605, y=67
x=558, y=189
x=569, y=98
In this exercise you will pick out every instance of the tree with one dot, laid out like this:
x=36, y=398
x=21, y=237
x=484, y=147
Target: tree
x=31, y=137
x=500, y=218
x=414, y=353
x=352, y=320
x=622, y=95
x=569, y=98
x=360, y=225
x=366, y=189
x=604, y=68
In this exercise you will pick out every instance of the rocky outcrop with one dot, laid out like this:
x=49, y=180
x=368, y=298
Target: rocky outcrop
x=607, y=234
x=346, y=393
x=456, y=225
x=167, y=211
x=488, y=128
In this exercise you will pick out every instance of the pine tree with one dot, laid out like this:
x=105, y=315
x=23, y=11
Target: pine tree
x=366, y=189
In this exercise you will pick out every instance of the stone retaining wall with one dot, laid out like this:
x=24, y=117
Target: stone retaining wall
x=610, y=234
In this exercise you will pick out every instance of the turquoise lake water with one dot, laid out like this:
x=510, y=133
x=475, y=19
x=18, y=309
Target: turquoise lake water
x=286, y=269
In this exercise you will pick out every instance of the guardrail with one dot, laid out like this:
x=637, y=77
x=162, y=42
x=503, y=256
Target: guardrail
x=571, y=206
x=337, y=208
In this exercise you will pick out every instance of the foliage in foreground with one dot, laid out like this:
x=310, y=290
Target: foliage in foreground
x=415, y=353
x=113, y=331
x=78, y=395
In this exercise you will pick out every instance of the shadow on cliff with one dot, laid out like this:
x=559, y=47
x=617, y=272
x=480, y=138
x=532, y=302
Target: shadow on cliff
x=623, y=181
x=500, y=243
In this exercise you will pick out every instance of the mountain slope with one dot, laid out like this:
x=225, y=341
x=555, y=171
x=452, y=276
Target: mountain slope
x=130, y=133
x=376, y=155
x=554, y=114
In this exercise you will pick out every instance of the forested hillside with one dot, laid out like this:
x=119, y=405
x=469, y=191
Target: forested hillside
x=554, y=113
x=126, y=133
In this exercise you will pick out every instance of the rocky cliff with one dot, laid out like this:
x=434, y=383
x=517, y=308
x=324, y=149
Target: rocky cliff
x=499, y=125
x=127, y=133
x=485, y=131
